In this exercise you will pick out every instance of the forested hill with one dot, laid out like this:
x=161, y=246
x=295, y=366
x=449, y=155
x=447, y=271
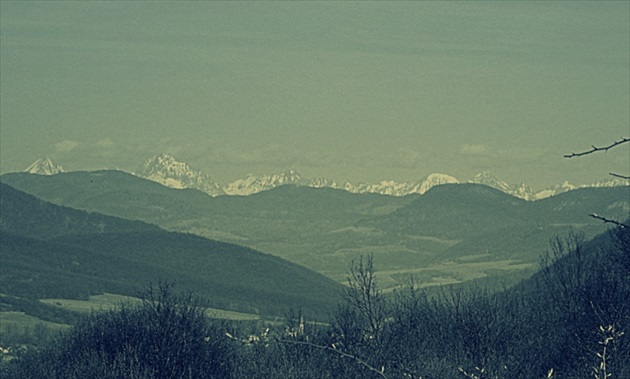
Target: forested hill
x=468, y=210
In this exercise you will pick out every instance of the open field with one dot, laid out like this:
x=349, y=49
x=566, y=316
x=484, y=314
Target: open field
x=102, y=302
x=397, y=263
x=18, y=329
x=109, y=301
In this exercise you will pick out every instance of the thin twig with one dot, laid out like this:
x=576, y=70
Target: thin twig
x=360, y=361
x=610, y=221
x=594, y=148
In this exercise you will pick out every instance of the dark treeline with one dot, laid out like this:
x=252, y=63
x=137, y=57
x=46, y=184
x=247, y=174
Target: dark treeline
x=570, y=320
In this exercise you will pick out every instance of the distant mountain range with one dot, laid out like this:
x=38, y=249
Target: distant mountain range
x=166, y=170
x=453, y=233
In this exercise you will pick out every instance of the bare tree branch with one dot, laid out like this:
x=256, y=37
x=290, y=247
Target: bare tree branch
x=594, y=148
x=619, y=176
x=360, y=361
x=610, y=221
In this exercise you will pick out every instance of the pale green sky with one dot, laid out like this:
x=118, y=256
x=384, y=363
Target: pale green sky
x=363, y=91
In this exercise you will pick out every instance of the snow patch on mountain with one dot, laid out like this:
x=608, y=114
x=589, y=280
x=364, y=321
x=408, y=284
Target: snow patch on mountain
x=522, y=190
x=436, y=180
x=393, y=188
x=254, y=184
x=326, y=183
x=612, y=182
x=44, y=166
x=488, y=179
x=555, y=190
x=386, y=187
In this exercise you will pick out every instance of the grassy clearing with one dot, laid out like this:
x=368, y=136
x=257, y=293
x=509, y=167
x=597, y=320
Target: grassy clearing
x=470, y=258
x=449, y=243
x=449, y=272
x=357, y=230
x=21, y=321
x=230, y=315
x=376, y=249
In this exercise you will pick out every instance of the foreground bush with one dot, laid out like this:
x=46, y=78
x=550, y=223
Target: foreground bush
x=166, y=337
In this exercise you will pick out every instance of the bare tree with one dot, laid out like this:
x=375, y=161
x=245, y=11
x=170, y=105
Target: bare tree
x=565, y=278
x=365, y=297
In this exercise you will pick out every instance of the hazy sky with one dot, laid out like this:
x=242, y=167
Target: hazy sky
x=362, y=91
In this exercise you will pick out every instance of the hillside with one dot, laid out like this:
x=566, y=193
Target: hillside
x=110, y=192
x=66, y=263
x=455, y=211
x=23, y=214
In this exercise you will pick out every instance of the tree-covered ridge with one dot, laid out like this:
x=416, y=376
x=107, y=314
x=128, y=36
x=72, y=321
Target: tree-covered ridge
x=24, y=214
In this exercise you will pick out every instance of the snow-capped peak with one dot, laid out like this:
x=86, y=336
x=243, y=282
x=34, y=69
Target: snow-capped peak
x=165, y=169
x=44, y=166
x=163, y=163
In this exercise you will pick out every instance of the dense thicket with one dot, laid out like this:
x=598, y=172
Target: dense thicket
x=573, y=317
